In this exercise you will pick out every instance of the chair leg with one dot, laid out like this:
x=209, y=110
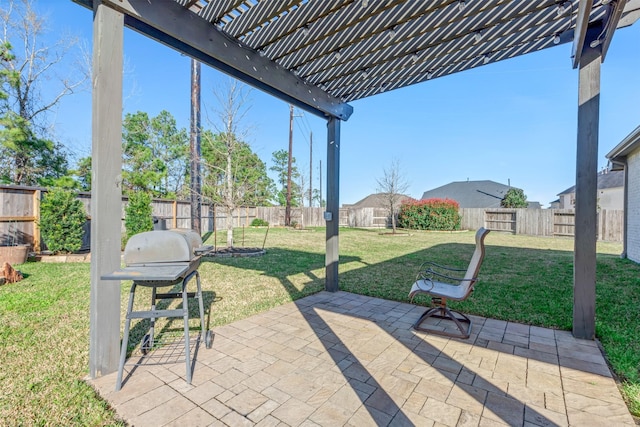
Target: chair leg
x=462, y=322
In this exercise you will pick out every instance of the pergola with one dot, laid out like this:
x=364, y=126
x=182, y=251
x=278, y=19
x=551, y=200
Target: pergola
x=321, y=54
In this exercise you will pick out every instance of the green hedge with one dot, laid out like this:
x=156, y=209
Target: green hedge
x=62, y=217
x=259, y=222
x=138, y=214
x=430, y=214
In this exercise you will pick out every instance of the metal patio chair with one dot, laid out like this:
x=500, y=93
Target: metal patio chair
x=440, y=283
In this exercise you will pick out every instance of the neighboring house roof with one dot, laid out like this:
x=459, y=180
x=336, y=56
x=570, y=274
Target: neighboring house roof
x=619, y=154
x=534, y=205
x=471, y=194
x=377, y=200
x=606, y=179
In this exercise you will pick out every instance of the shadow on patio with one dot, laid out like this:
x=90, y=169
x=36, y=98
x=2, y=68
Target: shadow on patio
x=347, y=359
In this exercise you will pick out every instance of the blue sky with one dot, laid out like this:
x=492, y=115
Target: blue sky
x=510, y=122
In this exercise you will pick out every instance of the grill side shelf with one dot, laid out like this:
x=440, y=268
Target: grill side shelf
x=155, y=273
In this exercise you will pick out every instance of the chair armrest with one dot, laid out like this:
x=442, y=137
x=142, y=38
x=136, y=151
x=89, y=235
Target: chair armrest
x=429, y=264
x=437, y=272
x=430, y=275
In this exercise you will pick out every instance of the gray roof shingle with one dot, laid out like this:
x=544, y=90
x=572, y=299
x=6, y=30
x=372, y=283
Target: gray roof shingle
x=377, y=200
x=606, y=179
x=471, y=194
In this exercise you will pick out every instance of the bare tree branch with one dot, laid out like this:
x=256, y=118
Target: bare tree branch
x=231, y=110
x=36, y=62
x=392, y=186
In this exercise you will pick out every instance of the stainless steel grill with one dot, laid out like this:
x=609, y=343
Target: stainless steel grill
x=159, y=259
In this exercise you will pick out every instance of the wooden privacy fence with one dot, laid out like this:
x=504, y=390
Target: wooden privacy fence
x=20, y=214
x=542, y=222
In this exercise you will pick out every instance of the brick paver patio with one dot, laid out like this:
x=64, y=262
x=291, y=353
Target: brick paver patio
x=334, y=359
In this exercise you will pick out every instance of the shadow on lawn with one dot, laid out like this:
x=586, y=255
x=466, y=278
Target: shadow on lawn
x=173, y=325
x=507, y=275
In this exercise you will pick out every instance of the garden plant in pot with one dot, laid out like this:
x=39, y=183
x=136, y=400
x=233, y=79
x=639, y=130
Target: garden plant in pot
x=11, y=253
x=11, y=250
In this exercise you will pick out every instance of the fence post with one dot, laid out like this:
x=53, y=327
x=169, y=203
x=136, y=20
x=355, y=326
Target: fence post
x=36, y=222
x=174, y=213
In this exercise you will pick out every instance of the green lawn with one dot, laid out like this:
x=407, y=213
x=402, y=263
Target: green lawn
x=44, y=324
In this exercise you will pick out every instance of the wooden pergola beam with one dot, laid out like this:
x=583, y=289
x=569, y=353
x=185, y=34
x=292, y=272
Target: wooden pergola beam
x=612, y=24
x=579, y=34
x=603, y=39
x=175, y=26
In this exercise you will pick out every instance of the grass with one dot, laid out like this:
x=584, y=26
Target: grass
x=44, y=320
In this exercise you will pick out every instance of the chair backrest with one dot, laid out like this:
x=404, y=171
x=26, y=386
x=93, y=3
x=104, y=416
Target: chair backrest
x=471, y=276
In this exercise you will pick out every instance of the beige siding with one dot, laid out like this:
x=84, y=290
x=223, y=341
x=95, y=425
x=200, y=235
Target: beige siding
x=611, y=198
x=633, y=206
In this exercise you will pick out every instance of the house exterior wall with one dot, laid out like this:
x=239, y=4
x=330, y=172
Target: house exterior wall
x=611, y=198
x=608, y=198
x=633, y=206
x=567, y=201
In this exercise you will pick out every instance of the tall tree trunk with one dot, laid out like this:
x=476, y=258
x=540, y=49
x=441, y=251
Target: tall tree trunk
x=230, y=213
x=393, y=217
x=21, y=173
x=229, y=197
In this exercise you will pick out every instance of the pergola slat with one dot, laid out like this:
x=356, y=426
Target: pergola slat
x=343, y=46
x=349, y=32
x=397, y=71
x=426, y=46
x=258, y=15
x=306, y=14
x=216, y=9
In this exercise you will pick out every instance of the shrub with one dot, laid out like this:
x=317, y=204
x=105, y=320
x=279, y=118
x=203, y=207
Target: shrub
x=259, y=222
x=430, y=214
x=62, y=218
x=514, y=198
x=138, y=214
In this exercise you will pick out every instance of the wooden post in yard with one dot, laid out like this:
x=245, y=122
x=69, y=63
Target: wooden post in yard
x=332, y=212
x=37, y=238
x=584, y=270
x=106, y=193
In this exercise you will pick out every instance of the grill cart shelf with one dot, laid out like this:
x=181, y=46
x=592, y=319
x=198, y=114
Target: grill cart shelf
x=159, y=259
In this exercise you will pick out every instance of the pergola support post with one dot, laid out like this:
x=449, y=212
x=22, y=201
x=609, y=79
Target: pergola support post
x=584, y=270
x=332, y=212
x=106, y=191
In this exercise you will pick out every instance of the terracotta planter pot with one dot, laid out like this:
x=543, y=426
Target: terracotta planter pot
x=14, y=254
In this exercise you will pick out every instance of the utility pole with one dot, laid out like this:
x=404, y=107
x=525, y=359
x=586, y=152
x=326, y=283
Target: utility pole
x=287, y=211
x=194, y=146
x=320, y=201
x=310, y=169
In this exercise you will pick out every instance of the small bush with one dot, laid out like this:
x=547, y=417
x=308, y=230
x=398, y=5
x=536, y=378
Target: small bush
x=258, y=222
x=62, y=217
x=138, y=214
x=430, y=214
x=515, y=198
